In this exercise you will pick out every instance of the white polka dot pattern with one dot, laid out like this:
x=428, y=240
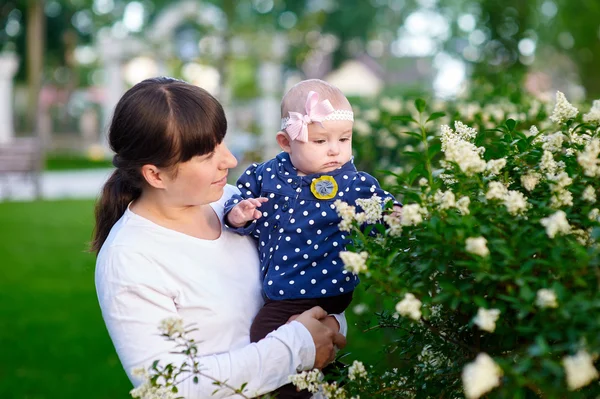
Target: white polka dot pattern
x=298, y=236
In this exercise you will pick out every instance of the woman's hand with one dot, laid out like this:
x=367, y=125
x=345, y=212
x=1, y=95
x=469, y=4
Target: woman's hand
x=325, y=338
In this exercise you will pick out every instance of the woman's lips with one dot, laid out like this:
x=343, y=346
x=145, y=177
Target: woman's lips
x=221, y=182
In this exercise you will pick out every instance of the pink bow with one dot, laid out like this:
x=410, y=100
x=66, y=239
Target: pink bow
x=297, y=125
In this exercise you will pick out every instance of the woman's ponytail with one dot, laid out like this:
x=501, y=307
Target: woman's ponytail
x=117, y=193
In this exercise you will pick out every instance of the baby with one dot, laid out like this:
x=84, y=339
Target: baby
x=287, y=204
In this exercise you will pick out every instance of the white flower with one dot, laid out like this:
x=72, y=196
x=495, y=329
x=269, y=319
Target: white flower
x=171, y=326
x=391, y=105
x=360, y=308
x=356, y=371
x=494, y=166
x=147, y=391
x=346, y=212
x=530, y=180
x=547, y=163
x=579, y=369
x=496, y=190
x=563, y=110
x=486, y=319
x=477, y=246
x=533, y=131
x=423, y=182
x=457, y=148
x=139, y=372
x=310, y=380
x=561, y=198
x=594, y=214
x=588, y=158
x=546, y=298
x=465, y=132
x=371, y=208
x=371, y=115
x=594, y=114
x=515, y=202
x=463, y=205
x=412, y=214
x=480, y=376
x=582, y=236
x=589, y=194
x=553, y=142
x=559, y=181
x=448, y=179
x=361, y=127
x=353, y=262
x=556, y=223
x=394, y=223
x=445, y=199
x=409, y=307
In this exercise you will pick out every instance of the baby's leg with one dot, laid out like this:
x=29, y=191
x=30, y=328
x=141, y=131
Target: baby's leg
x=275, y=314
x=272, y=315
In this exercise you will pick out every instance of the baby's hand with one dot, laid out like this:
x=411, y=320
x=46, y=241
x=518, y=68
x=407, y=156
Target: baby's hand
x=246, y=211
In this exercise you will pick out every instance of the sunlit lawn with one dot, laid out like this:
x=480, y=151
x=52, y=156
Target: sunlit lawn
x=53, y=343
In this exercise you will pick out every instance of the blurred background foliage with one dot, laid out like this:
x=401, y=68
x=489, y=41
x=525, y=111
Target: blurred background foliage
x=499, y=41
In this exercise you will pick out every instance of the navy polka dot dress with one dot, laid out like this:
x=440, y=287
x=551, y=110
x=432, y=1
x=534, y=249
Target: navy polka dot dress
x=298, y=237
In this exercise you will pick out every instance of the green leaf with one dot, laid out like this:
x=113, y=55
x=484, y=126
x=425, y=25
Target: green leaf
x=420, y=105
x=434, y=149
x=435, y=115
x=414, y=155
x=403, y=118
x=510, y=124
x=195, y=379
x=413, y=134
x=417, y=171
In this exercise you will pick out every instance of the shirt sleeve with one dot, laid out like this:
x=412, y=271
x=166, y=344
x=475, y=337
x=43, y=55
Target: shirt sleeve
x=250, y=187
x=134, y=299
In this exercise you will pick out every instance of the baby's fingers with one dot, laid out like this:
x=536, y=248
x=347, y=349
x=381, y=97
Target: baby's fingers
x=256, y=202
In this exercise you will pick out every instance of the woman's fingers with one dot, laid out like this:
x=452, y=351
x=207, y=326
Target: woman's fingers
x=339, y=340
x=317, y=312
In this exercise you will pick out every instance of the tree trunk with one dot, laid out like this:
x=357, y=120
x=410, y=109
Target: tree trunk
x=36, y=21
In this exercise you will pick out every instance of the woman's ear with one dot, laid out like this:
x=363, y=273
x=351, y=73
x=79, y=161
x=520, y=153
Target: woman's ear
x=154, y=176
x=284, y=141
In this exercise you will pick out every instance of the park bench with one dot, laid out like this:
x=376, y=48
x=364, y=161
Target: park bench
x=21, y=156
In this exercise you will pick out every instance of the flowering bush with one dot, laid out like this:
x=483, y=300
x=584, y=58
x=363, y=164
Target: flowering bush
x=490, y=280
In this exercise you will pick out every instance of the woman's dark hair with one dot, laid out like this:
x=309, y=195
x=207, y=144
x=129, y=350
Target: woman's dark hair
x=159, y=121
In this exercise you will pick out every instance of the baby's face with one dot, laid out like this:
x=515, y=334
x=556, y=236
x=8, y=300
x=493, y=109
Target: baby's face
x=329, y=146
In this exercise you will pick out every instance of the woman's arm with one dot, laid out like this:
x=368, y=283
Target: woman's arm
x=133, y=304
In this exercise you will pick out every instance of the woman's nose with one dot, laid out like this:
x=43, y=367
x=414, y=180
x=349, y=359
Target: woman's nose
x=228, y=161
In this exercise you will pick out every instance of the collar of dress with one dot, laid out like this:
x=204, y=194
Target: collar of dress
x=284, y=164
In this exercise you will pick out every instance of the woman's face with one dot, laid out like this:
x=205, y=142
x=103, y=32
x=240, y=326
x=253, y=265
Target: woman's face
x=201, y=180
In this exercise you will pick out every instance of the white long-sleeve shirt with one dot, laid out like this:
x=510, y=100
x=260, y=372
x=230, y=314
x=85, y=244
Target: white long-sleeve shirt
x=146, y=273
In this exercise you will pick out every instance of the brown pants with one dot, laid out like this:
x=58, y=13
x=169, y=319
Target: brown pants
x=276, y=313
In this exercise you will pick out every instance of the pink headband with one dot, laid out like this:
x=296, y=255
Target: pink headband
x=296, y=124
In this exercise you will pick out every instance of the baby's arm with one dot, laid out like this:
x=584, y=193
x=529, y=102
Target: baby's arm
x=245, y=211
x=241, y=208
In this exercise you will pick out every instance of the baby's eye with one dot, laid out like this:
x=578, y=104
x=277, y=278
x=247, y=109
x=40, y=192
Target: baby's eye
x=343, y=139
x=319, y=141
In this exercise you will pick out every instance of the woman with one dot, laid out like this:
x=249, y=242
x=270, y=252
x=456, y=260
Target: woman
x=162, y=251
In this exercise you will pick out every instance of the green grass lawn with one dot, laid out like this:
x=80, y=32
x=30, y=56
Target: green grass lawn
x=53, y=342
